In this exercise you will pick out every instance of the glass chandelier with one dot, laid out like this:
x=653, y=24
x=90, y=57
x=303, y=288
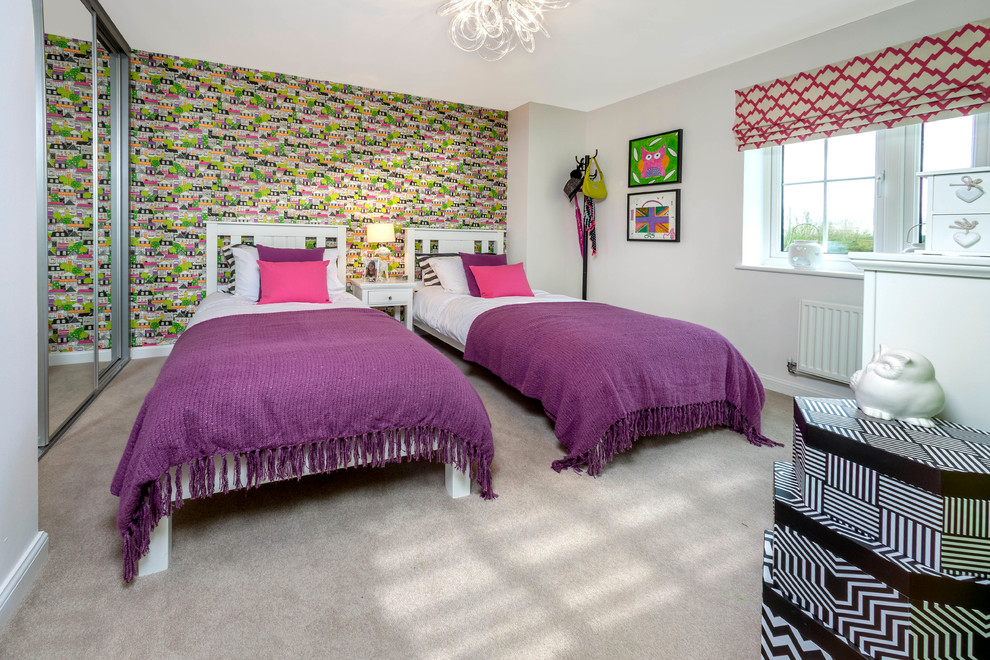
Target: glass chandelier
x=492, y=28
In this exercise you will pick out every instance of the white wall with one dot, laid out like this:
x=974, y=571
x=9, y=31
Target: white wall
x=22, y=548
x=696, y=279
x=542, y=230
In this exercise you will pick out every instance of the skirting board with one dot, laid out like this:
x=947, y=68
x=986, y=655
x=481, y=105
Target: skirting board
x=22, y=577
x=791, y=387
x=140, y=352
x=77, y=357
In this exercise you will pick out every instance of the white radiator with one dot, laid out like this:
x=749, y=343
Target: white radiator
x=831, y=340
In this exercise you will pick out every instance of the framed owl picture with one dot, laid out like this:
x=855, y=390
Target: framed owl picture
x=655, y=159
x=654, y=216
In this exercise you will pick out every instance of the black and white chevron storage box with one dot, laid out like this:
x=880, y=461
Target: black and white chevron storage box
x=922, y=491
x=874, y=598
x=874, y=554
x=787, y=632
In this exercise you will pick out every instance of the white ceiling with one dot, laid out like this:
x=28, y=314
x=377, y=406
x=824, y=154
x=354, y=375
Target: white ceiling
x=600, y=52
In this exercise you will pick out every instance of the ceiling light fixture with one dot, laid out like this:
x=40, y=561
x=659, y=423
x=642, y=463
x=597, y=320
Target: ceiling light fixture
x=492, y=28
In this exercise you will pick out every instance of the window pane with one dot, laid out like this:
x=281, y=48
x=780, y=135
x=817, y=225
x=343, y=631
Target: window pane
x=804, y=161
x=947, y=144
x=803, y=205
x=852, y=156
x=850, y=216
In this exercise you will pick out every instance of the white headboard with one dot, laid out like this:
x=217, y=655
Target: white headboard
x=273, y=235
x=450, y=240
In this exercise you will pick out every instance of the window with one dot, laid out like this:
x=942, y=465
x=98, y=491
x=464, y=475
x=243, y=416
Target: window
x=828, y=192
x=860, y=192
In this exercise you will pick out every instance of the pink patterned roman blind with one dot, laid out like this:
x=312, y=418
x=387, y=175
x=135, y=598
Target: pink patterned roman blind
x=944, y=75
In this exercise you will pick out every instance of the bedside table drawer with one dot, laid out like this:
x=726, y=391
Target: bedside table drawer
x=398, y=297
x=960, y=193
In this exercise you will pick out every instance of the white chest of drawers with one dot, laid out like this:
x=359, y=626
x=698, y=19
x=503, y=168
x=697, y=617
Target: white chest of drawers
x=958, y=216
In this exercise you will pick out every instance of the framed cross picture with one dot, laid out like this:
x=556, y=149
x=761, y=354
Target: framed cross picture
x=654, y=216
x=655, y=159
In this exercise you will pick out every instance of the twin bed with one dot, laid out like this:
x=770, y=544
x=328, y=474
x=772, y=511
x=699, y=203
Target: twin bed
x=253, y=393
x=257, y=393
x=605, y=375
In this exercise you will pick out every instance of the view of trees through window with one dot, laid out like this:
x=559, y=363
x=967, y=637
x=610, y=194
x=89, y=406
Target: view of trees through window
x=829, y=186
x=829, y=192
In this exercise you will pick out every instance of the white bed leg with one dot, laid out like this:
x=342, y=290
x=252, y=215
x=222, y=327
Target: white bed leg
x=458, y=484
x=158, y=550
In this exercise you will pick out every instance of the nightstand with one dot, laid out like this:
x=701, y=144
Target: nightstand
x=396, y=292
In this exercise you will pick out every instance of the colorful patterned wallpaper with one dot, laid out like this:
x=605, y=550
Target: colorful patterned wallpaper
x=213, y=142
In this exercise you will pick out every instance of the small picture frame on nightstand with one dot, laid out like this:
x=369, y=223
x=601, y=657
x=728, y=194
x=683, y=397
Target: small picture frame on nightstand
x=372, y=269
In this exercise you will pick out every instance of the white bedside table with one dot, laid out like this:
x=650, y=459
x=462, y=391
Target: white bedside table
x=395, y=292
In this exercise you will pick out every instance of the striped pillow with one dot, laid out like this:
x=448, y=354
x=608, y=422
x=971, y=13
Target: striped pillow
x=430, y=278
x=227, y=263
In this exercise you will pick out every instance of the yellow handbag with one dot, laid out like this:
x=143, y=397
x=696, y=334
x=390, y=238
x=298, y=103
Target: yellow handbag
x=594, y=183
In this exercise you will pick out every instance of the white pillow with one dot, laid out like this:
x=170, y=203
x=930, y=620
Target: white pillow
x=247, y=276
x=247, y=282
x=334, y=285
x=450, y=270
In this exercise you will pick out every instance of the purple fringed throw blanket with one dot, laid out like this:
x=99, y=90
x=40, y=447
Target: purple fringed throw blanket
x=289, y=392
x=607, y=375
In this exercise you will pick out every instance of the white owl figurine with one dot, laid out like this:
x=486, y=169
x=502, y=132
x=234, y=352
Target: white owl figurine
x=899, y=384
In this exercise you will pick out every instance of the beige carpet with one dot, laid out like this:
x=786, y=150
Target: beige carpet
x=660, y=557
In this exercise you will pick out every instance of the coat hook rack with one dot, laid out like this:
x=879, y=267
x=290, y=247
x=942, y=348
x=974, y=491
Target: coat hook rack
x=583, y=164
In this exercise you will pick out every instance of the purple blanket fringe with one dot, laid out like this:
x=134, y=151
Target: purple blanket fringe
x=662, y=421
x=369, y=450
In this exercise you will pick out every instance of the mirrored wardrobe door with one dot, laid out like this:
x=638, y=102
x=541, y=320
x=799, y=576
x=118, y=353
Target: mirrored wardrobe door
x=112, y=213
x=86, y=227
x=103, y=130
x=69, y=102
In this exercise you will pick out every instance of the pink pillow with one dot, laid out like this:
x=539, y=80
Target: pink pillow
x=266, y=253
x=470, y=259
x=499, y=281
x=293, y=281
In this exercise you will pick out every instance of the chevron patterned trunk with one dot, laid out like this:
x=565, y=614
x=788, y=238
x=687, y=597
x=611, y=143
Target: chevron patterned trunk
x=840, y=580
x=923, y=491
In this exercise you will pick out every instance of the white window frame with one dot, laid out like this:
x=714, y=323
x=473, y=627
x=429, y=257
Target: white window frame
x=897, y=187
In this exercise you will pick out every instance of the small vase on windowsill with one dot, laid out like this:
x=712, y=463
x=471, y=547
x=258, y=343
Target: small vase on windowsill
x=805, y=255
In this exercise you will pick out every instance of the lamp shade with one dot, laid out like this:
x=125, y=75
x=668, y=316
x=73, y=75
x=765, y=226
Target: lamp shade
x=381, y=232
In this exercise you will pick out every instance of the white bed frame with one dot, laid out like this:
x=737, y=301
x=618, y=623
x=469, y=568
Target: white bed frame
x=272, y=235
x=457, y=483
x=448, y=240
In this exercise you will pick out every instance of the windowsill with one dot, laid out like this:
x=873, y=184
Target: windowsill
x=845, y=271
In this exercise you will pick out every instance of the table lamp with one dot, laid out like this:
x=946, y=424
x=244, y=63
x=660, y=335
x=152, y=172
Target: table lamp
x=381, y=232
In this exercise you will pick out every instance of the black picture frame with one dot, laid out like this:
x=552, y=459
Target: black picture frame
x=670, y=145
x=656, y=210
